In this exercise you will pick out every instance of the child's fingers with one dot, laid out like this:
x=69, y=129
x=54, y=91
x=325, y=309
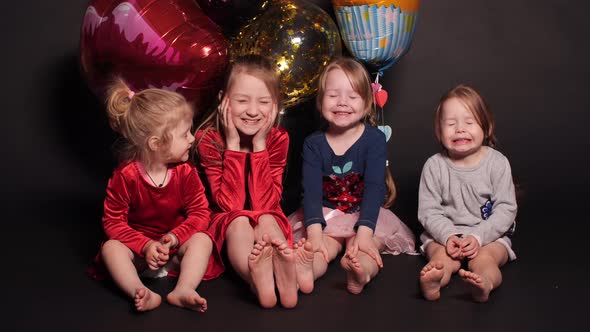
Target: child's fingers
x=325, y=254
x=222, y=109
x=275, y=112
x=164, y=250
x=153, y=265
x=469, y=253
x=352, y=251
x=467, y=247
x=466, y=244
x=377, y=258
x=455, y=254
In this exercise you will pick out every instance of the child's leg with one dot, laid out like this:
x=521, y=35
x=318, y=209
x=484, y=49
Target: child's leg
x=283, y=260
x=484, y=275
x=118, y=259
x=267, y=224
x=253, y=263
x=260, y=262
x=360, y=269
x=310, y=266
x=194, y=258
x=239, y=239
x=437, y=273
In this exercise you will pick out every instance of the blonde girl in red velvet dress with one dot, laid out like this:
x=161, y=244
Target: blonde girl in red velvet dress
x=243, y=153
x=156, y=212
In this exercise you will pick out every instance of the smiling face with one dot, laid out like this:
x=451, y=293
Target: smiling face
x=460, y=132
x=250, y=103
x=182, y=141
x=341, y=106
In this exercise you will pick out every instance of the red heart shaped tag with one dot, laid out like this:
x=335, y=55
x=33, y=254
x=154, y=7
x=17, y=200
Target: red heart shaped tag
x=380, y=98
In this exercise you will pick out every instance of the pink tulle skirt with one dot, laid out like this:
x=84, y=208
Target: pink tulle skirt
x=391, y=231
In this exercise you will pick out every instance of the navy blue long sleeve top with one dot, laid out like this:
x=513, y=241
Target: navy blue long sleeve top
x=350, y=182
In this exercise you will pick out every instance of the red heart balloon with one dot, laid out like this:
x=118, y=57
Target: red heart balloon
x=380, y=98
x=168, y=44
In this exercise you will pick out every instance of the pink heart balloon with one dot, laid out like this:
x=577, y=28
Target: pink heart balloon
x=169, y=44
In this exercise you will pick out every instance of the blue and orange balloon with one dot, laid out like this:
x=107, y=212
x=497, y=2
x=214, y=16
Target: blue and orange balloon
x=377, y=32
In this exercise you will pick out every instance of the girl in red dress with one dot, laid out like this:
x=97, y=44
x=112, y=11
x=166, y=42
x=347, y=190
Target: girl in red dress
x=156, y=212
x=243, y=153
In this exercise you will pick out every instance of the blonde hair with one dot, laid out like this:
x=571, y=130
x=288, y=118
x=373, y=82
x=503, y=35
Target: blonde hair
x=475, y=103
x=359, y=80
x=361, y=83
x=253, y=65
x=139, y=116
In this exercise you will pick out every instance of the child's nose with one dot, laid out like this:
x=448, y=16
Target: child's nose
x=252, y=109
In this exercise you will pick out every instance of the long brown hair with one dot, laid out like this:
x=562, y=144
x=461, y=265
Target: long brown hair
x=475, y=103
x=361, y=83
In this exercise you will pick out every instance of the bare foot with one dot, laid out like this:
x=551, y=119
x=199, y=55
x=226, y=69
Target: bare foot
x=356, y=278
x=146, y=300
x=260, y=264
x=304, y=266
x=480, y=287
x=283, y=261
x=430, y=278
x=187, y=298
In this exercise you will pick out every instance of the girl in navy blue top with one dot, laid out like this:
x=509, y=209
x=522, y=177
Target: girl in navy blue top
x=344, y=185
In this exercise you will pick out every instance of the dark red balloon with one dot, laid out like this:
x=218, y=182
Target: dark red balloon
x=168, y=44
x=231, y=15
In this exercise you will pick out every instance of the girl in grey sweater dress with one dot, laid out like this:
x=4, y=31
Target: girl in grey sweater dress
x=467, y=201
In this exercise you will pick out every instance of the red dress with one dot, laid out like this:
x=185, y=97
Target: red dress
x=136, y=212
x=244, y=183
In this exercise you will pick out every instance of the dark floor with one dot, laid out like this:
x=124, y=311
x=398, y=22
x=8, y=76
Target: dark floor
x=48, y=288
x=528, y=57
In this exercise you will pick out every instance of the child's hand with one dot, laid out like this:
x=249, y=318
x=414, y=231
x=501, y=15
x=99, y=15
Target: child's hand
x=470, y=247
x=232, y=137
x=151, y=252
x=168, y=241
x=316, y=238
x=453, y=247
x=259, y=139
x=363, y=241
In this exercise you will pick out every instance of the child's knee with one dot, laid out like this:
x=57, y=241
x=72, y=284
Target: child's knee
x=202, y=240
x=267, y=219
x=111, y=247
x=239, y=224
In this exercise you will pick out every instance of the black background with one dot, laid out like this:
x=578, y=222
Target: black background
x=527, y=58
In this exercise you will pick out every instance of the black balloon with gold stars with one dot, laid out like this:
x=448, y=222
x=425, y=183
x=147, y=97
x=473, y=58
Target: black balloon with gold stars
x=298, y=37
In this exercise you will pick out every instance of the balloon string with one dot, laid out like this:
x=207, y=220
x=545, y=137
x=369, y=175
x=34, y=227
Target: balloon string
x=380, y=116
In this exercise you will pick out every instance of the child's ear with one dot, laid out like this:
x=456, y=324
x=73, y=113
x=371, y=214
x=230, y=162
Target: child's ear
x=490, y=130
x=220, y=95
x=154, y=143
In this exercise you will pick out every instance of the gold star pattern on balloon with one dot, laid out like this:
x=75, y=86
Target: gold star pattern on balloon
x=298, y=37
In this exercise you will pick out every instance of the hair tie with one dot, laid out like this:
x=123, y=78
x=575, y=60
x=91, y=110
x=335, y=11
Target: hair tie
x=131, y=94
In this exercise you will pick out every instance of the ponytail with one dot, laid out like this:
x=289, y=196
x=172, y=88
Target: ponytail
x=119, y=99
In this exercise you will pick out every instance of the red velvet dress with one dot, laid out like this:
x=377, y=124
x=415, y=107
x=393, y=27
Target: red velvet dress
x=244, y=183
x=136, y=212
